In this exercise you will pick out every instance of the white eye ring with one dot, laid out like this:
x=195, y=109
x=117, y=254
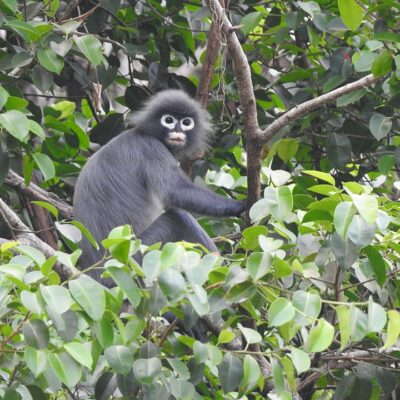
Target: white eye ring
x=168, y=121
x=190, y=125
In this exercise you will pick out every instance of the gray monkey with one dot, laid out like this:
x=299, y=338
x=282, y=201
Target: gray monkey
x=136, y=179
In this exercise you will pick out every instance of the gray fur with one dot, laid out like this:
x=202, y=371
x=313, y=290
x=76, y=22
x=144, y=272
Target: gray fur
x=135, y=177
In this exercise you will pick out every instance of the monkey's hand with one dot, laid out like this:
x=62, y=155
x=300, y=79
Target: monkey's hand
x=239, y=208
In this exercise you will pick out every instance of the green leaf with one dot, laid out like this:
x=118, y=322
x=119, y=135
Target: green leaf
x=50, y=60
x=34, y=254
x=180, y=368
x=350, y=98
x=382, y=64
x=360, y=232
x=307, y=305
x=51, y=7
x=16, y=124
x=250, y=335
x=16, y=103
x=86, y=233
x=279, y=201
x=3, y=97
x=80, y=353
x=66, y=368
x=344, y=213
x=259, y=264
x=367, y=206
x=199, y=300
x=250, y=236
x=56, y=297
x=66, y=324
x=380, y=126
x=387, y=37
x=32, y=301
x=61, y=48
x=230, y=372
x=171, y=254
x=147, y=370
x=251, y=373
x=377, y=263
x=104, y=332
x=90, y=295
x=250, y=21
x=393, y=329
x=45, y=164
x=171, y=282
x=320, y=337
x=286, y=149
x=25, y=29
x=66, y=108
x=277, y=375
x=225, y=336
x=323, y=176
x=127, y=284
x=364, y=61
x=301, y=360
x=343, y=313
x=358, y=322
x=280, y=312
x=338, y=148
x=259, y=210
x=11, y=5
x=49, y=207
x=69, y=231
x=120, y=358
x=36, y=334
x=310, y=7
x=351, y=13
x=91, y=48
x=376, y=317
x=36, y=360
x=36, y=129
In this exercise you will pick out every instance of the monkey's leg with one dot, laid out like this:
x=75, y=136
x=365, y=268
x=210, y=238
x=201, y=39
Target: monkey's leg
x=173, y=226
x=176, y=225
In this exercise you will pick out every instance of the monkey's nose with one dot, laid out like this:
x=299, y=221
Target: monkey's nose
x=177, y=137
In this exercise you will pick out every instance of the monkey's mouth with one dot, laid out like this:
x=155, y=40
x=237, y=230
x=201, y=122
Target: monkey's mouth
x=176, y=138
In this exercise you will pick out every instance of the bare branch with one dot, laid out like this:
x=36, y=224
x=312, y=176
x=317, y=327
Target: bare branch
x=213, y=44
x=24, y=235
x=311, y=105
x=242, y=70
x=247, y=102
x=35, y=192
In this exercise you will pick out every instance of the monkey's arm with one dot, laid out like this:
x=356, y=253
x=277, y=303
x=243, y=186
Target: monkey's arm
x=177, y=191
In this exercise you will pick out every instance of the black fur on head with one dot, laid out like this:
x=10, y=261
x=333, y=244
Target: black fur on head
x=179, y=105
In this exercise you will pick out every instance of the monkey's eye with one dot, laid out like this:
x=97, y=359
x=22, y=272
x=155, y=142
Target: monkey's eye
x=168, y=121
x=187, y=123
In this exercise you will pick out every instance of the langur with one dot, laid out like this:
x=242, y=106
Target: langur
x=136, y=179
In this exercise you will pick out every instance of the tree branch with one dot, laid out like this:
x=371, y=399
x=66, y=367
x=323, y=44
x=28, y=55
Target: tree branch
x=311, y=105
x=35, y=192
x=247, y=102
x=25, y=236
x=207, y=70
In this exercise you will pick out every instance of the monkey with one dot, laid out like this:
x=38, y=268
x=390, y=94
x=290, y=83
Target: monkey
x=136, y=179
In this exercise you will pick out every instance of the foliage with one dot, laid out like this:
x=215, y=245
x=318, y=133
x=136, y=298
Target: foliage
x=312, y=282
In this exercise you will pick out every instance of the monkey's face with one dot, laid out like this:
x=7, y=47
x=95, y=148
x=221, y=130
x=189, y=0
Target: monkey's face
x=177, y=129
x=177, y=121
